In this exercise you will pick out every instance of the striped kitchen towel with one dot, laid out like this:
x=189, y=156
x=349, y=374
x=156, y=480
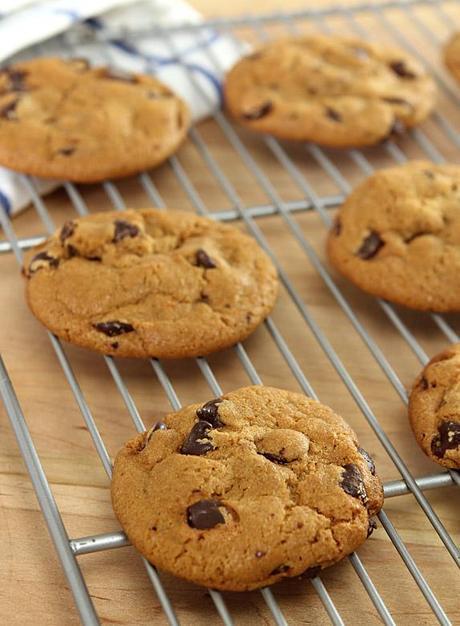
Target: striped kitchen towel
x=126, y=34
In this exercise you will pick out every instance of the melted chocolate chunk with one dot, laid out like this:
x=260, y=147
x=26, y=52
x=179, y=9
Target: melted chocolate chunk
x=372, y=526
x=333, y=114
x=352, y=482
x=113, y=328
x=401, y=69
x=67, y=230
x=66, y=151
x=204, y=514
x=423, y=384
x=281, y=569
x=259, y=112
x=197, y=441
x=370, y=246
x=203, y=260
x=124, y=229
x=274, y=458
x=16, y=78
x=369, y=460
x=337, y=227
x=209, y=412
x=41, y=260
x=9, y=111
x=260, y=554
x=448, y=438
x=310, y=572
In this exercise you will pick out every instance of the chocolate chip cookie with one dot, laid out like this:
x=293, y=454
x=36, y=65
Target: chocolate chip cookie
x=334, y=91
x=150, y=283
x=244, y=490
x=452, y=56
x=61, y=119
x=434, y=408
x=398, y=236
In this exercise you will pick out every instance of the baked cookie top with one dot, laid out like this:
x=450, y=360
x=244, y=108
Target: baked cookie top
x=59, y=118
x=150, y=283
x=397, y=236
x=452, y=55
x=249, y=488
x=334, y=91
x=434, y=408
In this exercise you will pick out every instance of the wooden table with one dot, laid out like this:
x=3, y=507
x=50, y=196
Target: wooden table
x=33, y=589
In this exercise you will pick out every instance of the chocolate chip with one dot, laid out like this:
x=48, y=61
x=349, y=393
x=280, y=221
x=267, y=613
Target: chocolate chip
x=274, y=458
x=209, y=413
x=448, y=438
x=66, y=151
x=259, y=112
x=16, y=78
x=197, y=441
x=397, y=129
x=113, y=328
x=370, y=246
x=369, y=460
x=429, y=174
x=260, y=554
x=155, y=427
x=67, y=230
x=124, y=229
x=333, y=114
x=310, y=572
x=41, y=260
x=336, y=227
x=372, y=526
x=115, y=74
x=352, y=482
x=9, y=110
x=401, y=69
x=281, y=569
x=114, y=345
x=204, y=514
x=203, y=260
x=423, y=384
x=71, y=250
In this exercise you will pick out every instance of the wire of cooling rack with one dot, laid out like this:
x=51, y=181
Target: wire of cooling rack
x=67, y=549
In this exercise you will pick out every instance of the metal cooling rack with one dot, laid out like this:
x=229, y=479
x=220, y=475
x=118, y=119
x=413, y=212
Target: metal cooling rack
x=419, y=13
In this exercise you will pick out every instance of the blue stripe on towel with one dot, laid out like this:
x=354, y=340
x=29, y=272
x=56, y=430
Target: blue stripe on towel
x=5, y=203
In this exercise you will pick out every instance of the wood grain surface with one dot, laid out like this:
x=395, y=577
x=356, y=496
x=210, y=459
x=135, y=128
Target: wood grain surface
x=33, y=589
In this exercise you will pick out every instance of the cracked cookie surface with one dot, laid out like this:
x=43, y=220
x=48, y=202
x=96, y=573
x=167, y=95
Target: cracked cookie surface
x=247, y=489
x=397, y=236
x=334, y=91
x=452, y=56
x=434, y=408
x=150, y=283
x=62, y=119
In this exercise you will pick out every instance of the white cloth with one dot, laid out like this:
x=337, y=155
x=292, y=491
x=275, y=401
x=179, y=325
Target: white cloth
x=99, y=31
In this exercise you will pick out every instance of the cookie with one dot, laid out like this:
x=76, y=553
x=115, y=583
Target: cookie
x=434, y=408
x=397, y=236
x=334, y=91
x=452, y=56
x=61, y=119
x=258, y=485
x=150, y=283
